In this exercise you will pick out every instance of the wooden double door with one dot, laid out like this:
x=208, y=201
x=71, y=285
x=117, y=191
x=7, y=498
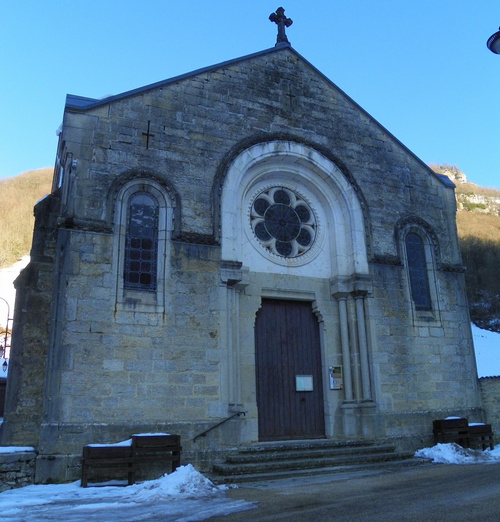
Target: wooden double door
x=288, y=371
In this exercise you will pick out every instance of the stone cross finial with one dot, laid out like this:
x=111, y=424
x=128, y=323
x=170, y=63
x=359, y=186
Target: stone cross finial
x=281, y=21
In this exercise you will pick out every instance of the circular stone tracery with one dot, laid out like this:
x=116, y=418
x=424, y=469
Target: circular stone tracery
x=283, y=222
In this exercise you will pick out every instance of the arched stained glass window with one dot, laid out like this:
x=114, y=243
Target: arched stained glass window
x=141, y=243
x=417, y=269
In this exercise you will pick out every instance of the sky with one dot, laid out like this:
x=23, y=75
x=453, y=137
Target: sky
x=419, y=67
x=182, y=496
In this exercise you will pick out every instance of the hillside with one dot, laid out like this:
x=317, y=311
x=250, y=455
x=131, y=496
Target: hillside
x=18, y=195
x=478, y=223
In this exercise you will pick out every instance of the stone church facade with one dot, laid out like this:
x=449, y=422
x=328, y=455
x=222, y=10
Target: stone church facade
x=242, y=238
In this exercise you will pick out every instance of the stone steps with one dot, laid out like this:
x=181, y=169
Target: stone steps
x=309, y=454
x=265, y=461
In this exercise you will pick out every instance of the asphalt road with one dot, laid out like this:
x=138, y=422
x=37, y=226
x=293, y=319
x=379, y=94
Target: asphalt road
x=428, y=492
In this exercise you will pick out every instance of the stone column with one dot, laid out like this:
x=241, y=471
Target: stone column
x=233, y=352
x=344, y=341
x=235, y=279
x=363, y=347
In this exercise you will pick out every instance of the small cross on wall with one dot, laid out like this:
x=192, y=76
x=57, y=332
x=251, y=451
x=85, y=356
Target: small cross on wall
x=281, y=21
x=148, y=134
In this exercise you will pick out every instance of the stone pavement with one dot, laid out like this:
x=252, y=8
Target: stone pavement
x=428, y=492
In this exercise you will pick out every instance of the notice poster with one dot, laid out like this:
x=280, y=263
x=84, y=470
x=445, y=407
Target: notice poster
x=304, y=383
x=335, y=377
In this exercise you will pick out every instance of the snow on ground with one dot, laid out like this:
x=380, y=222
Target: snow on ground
x=7, y=290
x=454, y=454
x=487, y=348
x=15, y=449
x=184, y=495
x=8, y=295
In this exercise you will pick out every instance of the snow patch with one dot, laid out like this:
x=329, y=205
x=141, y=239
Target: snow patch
x=452, y=453
x=487, y=349
x=184, y=495
x=185, y=482
x=15, y=449
x=127, y=442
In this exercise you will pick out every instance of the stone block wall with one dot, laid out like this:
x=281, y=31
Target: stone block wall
x=419, y=360
x=490, y=390
x=17, y=469
x=24, y=391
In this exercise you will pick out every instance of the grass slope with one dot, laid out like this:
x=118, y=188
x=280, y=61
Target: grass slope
x=18, y=195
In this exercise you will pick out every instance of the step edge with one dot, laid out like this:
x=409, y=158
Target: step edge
x=227, y=468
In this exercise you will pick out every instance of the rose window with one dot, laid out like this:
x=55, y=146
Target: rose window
x=283, y=222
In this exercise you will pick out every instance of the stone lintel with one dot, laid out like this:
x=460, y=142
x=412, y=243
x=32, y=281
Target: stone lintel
x=358, y=405
x=86, y=225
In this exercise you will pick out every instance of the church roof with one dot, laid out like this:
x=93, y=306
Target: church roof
x=445, y=179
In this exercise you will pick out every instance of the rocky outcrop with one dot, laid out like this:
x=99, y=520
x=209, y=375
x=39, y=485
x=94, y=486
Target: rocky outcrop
x=452, y=171
x=470, y=197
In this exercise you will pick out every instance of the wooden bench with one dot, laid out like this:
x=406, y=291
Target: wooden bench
x=108, y=458
x=460, y=431
x=160, y=447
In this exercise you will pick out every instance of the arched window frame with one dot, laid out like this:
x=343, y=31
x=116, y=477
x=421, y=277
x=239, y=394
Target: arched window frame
x=150, y=297
x=141, y=243
x=424, y=307
x=418, y=272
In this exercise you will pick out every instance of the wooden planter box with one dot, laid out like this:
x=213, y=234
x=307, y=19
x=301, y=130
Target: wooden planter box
x=458, y=430
x=117, y=460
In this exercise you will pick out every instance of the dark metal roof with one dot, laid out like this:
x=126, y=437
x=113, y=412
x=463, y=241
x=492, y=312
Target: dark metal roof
x=79, y=102
x=445, y=179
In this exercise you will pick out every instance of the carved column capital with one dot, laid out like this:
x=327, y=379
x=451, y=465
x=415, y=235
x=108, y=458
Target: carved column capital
x=357, y=285
x=233, y=274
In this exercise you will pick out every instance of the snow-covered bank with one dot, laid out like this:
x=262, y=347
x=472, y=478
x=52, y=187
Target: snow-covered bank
x=487, y=348
x=454, y=454
x=7, y=290
x=8, y=297
x=184, y=495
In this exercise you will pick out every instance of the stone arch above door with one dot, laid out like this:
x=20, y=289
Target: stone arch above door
x=334, y=243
